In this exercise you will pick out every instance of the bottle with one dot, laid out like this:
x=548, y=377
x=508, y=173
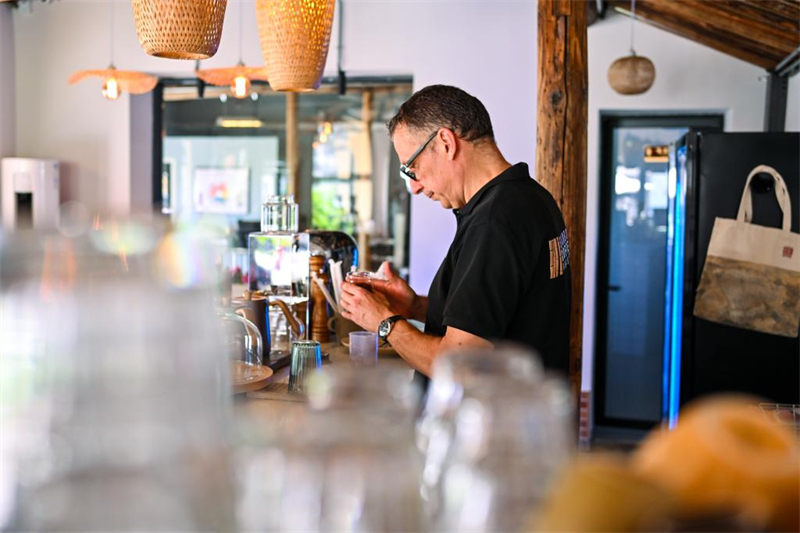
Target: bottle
x=279, y=255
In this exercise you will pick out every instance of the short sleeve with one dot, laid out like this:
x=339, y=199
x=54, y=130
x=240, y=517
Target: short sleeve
x=490, y=277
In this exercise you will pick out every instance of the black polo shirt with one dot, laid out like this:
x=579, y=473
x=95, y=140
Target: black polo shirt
x=506, y=275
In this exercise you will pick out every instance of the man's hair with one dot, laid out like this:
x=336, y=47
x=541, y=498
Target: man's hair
x=444, y=106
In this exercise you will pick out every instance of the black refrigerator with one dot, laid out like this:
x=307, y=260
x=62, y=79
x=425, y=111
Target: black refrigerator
x=707, y=174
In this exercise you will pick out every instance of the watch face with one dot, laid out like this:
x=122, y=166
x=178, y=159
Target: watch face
x=383, y=329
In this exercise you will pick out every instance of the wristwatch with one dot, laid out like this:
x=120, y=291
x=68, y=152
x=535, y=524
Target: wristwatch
x=386, y=326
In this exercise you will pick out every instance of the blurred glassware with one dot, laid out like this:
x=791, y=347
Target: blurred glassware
x=118, y=413
x=242, y=344
x=255, y=309
x=494, y=431
x=239, y=266
x=306, y=360
x=242, y=340
x=348, y=464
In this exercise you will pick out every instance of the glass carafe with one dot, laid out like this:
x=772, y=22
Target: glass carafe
x=279, y=264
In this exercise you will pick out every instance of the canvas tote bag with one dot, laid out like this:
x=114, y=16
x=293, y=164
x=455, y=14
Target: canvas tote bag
x=751, y=278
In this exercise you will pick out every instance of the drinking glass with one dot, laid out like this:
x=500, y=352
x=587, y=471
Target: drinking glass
x=362, y=278
x=348, y=464
x=306, y=359
x=495, y=431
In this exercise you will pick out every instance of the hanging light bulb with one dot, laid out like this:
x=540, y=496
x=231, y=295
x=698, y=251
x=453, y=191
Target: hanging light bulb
x=111, y=88
x=240, y=86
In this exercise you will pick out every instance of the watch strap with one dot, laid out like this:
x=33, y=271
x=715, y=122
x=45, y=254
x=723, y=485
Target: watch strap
x=389, y=322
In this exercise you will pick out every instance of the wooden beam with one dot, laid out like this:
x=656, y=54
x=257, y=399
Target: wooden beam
x=292, y=145
x=759, y=32
x=561, y=141
x=366, y=118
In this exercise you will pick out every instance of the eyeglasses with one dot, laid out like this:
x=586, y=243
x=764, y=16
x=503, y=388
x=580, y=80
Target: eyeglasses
x=405, y=172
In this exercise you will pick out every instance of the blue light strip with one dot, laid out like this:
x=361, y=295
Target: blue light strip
x=677, y=291
x=667, y=352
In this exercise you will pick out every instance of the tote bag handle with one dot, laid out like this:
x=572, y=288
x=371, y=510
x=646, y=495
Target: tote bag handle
x=781, y=195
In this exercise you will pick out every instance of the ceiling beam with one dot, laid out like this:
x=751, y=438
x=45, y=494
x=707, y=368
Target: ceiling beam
x=759, y=32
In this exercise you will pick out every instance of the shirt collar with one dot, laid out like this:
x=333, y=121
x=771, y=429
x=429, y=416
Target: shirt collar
x=514, y=172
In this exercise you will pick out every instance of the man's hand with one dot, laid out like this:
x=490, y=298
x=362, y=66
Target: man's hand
x=364, y=308
x=400, y=296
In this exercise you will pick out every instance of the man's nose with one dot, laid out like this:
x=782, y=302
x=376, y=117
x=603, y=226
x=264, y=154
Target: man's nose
x=416, y=188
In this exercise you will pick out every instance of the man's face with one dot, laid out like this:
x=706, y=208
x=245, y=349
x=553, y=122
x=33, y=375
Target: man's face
x=429, y=167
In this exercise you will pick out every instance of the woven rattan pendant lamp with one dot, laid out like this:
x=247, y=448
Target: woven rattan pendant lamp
x=117, y=81
x=294, y=36
x=238, y=77
x=631, y=74
x=179, y=29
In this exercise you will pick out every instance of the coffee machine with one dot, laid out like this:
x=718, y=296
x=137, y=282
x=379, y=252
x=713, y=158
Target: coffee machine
x=335, y=245
x=30, y=193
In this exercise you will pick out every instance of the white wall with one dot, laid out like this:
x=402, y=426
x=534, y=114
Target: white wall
x=689, y=77
x=486, y=48
x=74, y=124
x=7, y=92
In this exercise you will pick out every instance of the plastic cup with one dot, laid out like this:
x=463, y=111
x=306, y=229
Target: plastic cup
x=363, y=348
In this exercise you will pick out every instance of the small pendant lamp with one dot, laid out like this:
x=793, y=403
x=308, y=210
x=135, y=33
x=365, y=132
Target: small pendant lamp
x=117, y=81
x=294, y=35
x=238, y=77
x=631, y=74
x=179, y=29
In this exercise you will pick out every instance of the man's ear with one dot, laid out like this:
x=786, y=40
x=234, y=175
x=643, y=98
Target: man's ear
x=449, y=142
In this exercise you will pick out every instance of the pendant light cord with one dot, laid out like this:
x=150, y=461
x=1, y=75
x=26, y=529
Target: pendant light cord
x=633, y=22
x=111, y=31
x=241, y=8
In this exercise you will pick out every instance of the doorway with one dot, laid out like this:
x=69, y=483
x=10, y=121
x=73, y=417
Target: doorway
x=631, y=267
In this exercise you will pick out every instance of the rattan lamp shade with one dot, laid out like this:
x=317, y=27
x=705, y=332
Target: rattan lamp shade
x=225, y=76
x=294, y=36
x=129, y=81
x=179, y=29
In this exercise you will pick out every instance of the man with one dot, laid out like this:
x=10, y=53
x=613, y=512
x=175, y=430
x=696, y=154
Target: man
x=506, y=275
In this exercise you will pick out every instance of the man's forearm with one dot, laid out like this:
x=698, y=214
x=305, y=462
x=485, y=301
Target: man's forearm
x=418, y=349
x=419, y=309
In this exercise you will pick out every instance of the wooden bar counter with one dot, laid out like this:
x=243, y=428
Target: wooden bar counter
x=274, y=403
